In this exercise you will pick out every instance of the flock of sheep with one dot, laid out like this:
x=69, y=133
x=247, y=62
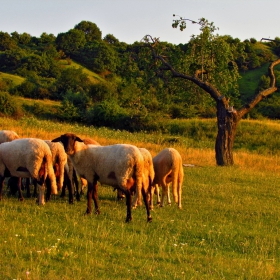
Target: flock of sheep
x=54, y=165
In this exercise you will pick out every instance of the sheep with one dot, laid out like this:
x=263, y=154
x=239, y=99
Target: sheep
x=119, y=166
x=59, y=159
x=7, y=136
x=24, y=158
x=168, y=168
x=148, y=175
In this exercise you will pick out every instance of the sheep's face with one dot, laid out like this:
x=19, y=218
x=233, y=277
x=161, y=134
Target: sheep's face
x=68, y=141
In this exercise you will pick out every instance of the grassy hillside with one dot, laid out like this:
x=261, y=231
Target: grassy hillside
x=14, y=79
x=93, y=77
x=228, y=227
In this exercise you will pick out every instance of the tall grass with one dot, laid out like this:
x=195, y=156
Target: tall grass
x=228, y=227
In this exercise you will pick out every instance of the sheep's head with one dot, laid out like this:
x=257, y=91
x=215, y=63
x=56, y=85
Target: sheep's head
x=68, y=141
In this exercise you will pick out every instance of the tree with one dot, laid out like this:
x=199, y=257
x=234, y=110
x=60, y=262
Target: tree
x=6, y=41
x=212, y=69
x=90, y=29
x=71, y=41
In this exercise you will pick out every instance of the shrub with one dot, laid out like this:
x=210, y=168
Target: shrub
x=8, y=105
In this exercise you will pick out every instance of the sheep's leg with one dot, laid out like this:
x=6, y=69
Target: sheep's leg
x=67, y=182
x=62, y=195
x=164, y=193
x=180, y=195
x=158, y=194
x=135, y=202
x=2, y=178
x=76, y=183
x=20, y=196
x=168, y=194
x=128, y=206
x=95, y=198
x=48, y=193
x=27, y=186
x=145, y=197
x=152, y=198
x=41, y=196
x=92, y=194
x=35, y=194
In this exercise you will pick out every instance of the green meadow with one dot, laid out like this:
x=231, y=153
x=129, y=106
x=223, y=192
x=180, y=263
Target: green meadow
x=229, y=227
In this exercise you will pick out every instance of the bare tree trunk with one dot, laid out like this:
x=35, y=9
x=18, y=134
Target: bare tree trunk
x=227, y=124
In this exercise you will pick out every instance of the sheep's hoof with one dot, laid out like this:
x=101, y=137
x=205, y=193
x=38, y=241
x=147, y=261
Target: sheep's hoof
x=97, y=212
x=128, y=219
x=169, y=203
x=149, y=219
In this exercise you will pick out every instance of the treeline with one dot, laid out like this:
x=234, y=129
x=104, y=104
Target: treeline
x=133, y=93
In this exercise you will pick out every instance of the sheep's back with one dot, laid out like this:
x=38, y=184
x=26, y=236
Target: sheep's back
x=7, y=136
x=112, y=163
x=25, y=152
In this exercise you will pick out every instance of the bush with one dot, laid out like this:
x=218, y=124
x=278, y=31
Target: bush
x=8, y=105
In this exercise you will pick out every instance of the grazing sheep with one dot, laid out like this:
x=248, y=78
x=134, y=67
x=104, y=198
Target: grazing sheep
x=120, y=166
x=24, y=158
x=7, y=136
x=168, y=168
x=148, y=175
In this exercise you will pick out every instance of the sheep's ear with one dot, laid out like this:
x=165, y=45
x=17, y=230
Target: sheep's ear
x=58, y=139
x=78, y=139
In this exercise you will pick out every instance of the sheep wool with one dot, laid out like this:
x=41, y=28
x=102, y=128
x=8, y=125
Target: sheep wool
x=169, y=169
x=7, y=136
x=27, y=157
x=59, y=157
x=148, y=175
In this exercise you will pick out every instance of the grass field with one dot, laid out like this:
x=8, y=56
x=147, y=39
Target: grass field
x=228, y=227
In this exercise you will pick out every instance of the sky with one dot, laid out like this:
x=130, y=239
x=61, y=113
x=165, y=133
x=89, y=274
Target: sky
x=130, y=20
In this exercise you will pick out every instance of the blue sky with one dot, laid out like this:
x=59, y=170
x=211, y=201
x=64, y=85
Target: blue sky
x=131, y=20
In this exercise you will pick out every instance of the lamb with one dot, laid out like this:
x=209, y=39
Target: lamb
x=24, y=158
x=119, y=166
x=168, y=168
x=8, y=136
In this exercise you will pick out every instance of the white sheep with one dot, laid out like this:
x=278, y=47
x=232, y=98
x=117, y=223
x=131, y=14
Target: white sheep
x=119, y=165
x=168, y=168
x=148, y=175
x=24, y=158
x=8, y=136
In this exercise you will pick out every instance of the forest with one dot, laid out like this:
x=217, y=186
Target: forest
x=127, y=88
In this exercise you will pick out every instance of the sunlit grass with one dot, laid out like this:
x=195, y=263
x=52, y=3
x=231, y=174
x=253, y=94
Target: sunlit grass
x=17, y=80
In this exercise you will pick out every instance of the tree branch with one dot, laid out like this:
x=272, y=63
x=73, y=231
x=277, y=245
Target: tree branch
x=259, y=96
x=214, y=93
